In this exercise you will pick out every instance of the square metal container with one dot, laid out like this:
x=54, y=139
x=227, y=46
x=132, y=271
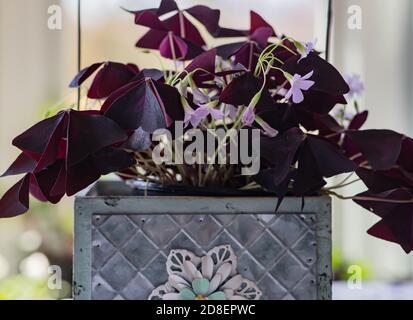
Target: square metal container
x=122, y=240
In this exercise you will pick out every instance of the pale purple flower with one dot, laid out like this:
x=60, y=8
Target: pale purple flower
x=194, y=117
x=231, y=111
x=189, y=112
x=349, y=115
x=299, y=84
x=308, y=48
x=355, y=84
x=180, y=64
x=342, y=115
x=249, y=116
x=199, y=96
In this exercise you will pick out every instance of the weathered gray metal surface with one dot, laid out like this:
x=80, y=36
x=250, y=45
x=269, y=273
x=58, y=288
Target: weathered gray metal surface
x=121, y=241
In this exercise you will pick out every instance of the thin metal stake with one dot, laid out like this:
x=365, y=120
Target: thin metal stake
x=79, y=47
x=329, y=25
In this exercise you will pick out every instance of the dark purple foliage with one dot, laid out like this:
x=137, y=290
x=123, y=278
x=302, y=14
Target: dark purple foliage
x=63, y=155
x=16, y=200
x=317, y=159
x=397, y=217
x=139, y=106
x=281, y=161
x=358, y=121
x=279, y=173
x=246, y=53
x=111, y=77
x=329, y=88
x=242, y=89
x=203, y=67
x=389, y=179
x=380, y=147
x=177, y=37
x=210, y=19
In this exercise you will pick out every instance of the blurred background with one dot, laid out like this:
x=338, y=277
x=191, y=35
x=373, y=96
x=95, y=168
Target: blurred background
x=37, y=63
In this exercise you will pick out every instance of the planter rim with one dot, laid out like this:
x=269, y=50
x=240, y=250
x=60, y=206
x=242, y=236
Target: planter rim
x=105, y=189
x=154, y=197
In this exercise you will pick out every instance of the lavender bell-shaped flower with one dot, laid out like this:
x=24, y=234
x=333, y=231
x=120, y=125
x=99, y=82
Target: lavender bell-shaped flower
x=298, y=85
x=307, y=49
x=355, y=84
x=195, y=117
x=231, y=111
x=248, y=117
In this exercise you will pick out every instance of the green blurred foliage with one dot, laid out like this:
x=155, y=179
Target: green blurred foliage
x=55, y=226
x=24, y=288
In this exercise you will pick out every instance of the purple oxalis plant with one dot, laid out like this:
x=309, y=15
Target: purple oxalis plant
x=261, y=80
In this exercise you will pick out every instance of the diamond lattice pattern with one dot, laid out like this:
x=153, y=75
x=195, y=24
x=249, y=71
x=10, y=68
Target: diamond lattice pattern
x=276, y=251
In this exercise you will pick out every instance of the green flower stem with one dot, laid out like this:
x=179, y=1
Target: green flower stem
x=328, y=192
x=237, y=123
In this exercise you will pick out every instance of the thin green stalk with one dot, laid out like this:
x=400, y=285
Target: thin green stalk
x=367, y=198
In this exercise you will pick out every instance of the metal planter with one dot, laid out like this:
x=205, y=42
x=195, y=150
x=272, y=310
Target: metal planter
x=122, y=241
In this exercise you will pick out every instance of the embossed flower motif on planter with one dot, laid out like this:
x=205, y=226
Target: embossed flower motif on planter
x=211, y=277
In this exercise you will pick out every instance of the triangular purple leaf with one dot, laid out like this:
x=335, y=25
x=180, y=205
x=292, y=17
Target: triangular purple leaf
x=16, y=200
x=380, y=147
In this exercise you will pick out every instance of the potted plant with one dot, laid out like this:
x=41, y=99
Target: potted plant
x=222, y=164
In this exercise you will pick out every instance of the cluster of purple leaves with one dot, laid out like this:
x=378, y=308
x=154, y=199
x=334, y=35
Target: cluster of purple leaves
x=67, y=152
